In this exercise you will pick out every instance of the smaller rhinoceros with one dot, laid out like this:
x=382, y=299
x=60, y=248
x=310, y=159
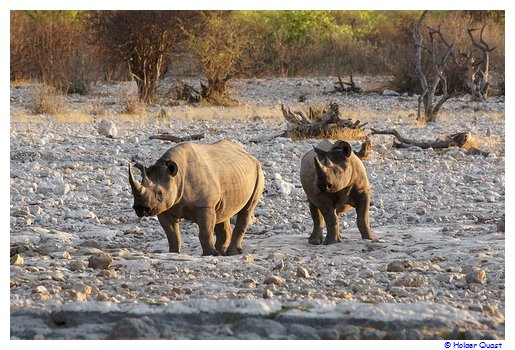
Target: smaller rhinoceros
x=335, y=180
x=205, y=184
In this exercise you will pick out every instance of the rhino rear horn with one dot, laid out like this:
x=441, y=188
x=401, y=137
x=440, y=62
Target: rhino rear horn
x=135, y=185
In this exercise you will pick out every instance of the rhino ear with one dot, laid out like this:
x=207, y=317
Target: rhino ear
x=319, y=152
x=172, y=166
x=344, y=146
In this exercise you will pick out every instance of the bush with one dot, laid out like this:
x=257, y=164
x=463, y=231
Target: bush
x=220, y=49
x=47, y=100
x=143, y=39
x=133, y=105
x=51, y=47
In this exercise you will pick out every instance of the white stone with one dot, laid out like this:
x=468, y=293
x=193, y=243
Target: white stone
x=107, y=128
x=388, y=92
x=62, y=189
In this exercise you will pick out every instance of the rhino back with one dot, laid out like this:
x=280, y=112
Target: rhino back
x=222, y=175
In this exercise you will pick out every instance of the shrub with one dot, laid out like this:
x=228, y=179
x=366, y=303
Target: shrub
x=133, y=105
x=220, y=49
x=143, y=39
x=47, y=100
x=51, y=47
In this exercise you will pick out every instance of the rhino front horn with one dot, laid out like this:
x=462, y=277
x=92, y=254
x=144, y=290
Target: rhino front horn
x=135, y=185
x=319, y=166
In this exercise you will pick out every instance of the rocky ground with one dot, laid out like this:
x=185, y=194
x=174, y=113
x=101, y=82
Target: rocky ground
x=84, y=266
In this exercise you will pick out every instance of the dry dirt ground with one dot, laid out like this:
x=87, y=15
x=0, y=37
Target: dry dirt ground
x=436, y=270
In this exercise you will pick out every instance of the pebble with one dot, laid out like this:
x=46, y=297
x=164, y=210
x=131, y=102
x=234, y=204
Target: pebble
x=58, y=276
x=410, y=281
x=388, y=92
x=110, y=273
x=274, y=280
x=17, y=259
x=82, y=288
x=100, y=261
x=445, y=277
x=366, y=274
x=477, y=276
x=267, y=293
x=302, y=272
x=40, y=289
x=61, y=255
x=399, y=266
x=77, y=296
x=107, y=128
x=77, y=265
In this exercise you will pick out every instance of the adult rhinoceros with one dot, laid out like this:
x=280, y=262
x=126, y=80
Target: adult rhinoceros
x=206, y=184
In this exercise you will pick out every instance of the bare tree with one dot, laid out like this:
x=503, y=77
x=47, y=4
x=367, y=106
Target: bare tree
x=478, y=68
x=143, y=39
x=433, y=77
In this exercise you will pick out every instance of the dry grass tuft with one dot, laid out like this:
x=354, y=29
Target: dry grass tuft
x=485, y=143
x=332, y=134
x=132, y=105
x=96, y=108
x=47, y=100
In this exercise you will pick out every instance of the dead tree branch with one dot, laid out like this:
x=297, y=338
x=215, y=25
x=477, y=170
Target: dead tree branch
x=328, y=125
x=478, y=68
x=340, y=86
x=366, y=149
x=438, y=60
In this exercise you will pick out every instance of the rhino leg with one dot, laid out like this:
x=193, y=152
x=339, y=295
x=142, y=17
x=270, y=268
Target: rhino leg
x=206, y=224
x=242, y=223
x=173, y=232
x=332, y=224
x=223, y=236
x=244, y=216
x=317, y=236
x=362, y=216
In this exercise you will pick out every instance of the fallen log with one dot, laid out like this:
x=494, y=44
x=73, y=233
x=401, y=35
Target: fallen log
x=460, y=139
x=172, y=138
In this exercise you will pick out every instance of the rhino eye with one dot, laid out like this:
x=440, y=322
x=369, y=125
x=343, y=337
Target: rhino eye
x=159, y=194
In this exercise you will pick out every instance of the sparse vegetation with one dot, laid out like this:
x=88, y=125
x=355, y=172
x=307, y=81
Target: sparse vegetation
x=221, y=50
x=143, y=39
x=47, y=100
x=133, y=106
x=70, y=50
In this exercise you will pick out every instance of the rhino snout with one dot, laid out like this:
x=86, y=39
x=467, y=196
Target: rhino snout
x=141, y=210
